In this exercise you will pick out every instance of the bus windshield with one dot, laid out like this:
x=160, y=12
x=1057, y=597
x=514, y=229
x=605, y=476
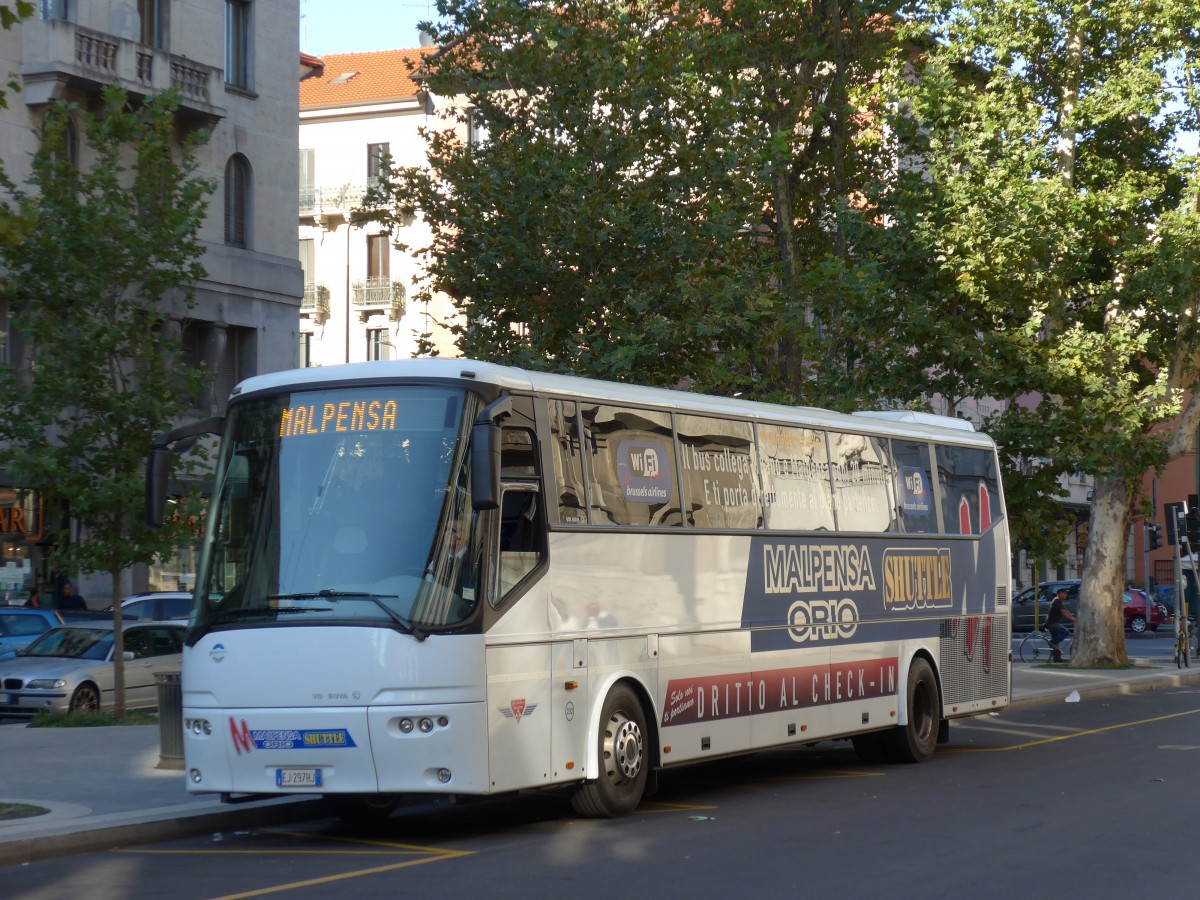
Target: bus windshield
x=350, y=505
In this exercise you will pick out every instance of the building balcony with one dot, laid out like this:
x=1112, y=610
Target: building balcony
x=315, y=301
x=378, y=295
x=57, y=54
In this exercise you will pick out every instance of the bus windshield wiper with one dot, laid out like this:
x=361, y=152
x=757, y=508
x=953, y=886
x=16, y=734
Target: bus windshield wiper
x=326, y=594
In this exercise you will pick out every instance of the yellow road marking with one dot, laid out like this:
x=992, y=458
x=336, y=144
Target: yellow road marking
x=834, y=773
x=345, y=876
x=645, y=810
x=379, y=848
x=1068, y=737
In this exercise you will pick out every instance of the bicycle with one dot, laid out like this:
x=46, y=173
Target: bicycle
x=1183, y=643
x=1037, y=647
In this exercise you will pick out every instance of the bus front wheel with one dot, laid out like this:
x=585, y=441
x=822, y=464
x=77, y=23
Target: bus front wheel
x=916, y=741
x=624, y=759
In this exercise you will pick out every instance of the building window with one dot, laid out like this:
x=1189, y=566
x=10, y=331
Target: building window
x=308, y=260
x=153, y=32
x=378, y=268
x=55, y=9
x=378, y=346
x=378, y=157
x=237, y=43
x=477, y=131
x=237, y=201
x=305, y=349
x=308, y=181
x=61, y=138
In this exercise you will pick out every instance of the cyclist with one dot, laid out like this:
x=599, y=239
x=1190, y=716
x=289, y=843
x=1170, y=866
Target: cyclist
x=1057, y=615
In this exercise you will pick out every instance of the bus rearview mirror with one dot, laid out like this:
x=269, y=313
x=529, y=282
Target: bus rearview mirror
x=485, y=466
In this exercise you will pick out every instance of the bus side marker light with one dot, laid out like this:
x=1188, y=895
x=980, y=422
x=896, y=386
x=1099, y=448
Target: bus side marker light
x=804, y=728
x=571, y=685
x=570, y=766
x=667, y=749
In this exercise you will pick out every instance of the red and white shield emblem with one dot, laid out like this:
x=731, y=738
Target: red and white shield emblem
x=518, y=708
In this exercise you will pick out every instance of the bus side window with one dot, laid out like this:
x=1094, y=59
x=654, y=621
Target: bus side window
x=521, y=538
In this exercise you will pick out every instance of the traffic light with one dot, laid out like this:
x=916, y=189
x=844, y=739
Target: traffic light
x=1153, y=535
x=1191, y=514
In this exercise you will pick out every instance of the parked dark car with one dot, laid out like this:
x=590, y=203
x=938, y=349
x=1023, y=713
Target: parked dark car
x=1023, y=606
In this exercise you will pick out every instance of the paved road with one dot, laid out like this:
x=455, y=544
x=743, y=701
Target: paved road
x=1076, y=799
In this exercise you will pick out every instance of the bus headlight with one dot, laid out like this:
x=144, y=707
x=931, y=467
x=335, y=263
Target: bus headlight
x=426, y=725
x=406, y=726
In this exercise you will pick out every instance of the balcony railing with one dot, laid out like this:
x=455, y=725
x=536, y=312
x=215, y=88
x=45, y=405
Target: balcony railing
x=376, y=293
x=56, y=52
x=315, y=300
x=337, y=200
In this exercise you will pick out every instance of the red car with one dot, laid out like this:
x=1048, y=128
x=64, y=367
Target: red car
x=1135, y=612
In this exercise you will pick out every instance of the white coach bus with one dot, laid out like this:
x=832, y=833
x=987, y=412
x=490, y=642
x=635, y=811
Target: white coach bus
x=451, y=577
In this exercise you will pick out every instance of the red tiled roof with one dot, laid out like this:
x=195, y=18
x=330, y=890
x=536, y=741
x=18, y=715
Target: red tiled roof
x=353, y=78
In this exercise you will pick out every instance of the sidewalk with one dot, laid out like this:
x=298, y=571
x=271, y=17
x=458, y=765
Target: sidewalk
x=104, y=790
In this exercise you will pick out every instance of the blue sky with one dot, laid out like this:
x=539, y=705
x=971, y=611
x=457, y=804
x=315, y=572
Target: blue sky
x=353, y=26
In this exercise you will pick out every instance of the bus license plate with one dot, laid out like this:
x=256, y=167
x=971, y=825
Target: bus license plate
x=297, y=778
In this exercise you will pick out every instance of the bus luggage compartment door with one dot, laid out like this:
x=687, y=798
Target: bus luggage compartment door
x=519, y=713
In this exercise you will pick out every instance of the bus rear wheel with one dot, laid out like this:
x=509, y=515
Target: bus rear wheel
x=624, y=759
x=916, y=741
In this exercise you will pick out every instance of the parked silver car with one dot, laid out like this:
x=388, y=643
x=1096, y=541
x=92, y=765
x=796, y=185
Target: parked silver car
x=157, y=606
x=71, y=668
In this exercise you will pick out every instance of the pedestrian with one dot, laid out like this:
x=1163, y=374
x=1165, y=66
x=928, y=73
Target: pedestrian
x=35, y=598
x=1055, y=618
x=70, y=599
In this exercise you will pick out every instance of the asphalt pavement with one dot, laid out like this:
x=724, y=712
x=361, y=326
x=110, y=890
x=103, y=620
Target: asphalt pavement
x=111, y=787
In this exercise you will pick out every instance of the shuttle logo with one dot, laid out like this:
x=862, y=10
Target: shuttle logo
x=246, y=739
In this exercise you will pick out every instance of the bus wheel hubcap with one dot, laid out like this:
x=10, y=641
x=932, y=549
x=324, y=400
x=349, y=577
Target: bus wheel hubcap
x=622, y=748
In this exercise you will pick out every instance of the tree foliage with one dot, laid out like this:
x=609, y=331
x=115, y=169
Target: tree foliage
x=95, y=371
x=661, y=191
x=1053, y=214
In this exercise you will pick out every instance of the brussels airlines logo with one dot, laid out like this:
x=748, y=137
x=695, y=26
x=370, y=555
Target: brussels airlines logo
x=644, y=471
x=915, y=484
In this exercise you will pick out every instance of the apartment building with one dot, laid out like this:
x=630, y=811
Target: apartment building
x=357, y=111
x=234, y=64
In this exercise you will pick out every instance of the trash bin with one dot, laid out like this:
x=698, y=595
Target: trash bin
x=170, y=720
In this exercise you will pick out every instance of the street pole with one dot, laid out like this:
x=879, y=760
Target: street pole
x=1146, y=566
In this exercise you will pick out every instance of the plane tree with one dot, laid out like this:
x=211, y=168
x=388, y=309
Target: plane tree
x=1047, y=247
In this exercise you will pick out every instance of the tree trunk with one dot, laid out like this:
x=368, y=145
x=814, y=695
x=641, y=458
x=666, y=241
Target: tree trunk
x=1100, y=620
x=118, y=649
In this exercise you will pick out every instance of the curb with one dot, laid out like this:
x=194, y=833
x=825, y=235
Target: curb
x=100, y=836
x=1158, y=681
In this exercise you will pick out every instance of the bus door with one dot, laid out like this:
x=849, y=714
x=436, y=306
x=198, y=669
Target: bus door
x=520, y=669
